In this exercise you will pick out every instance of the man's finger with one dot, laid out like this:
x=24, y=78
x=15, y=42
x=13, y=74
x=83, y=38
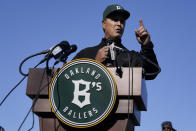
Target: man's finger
x=106, y=47
x=144, y=34
x=137, y=32
x=142, y=30
x=141, y=22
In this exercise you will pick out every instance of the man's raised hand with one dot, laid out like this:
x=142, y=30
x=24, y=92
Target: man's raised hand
x=142, y=35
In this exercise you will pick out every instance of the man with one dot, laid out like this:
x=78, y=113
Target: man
x=167, y=126
x=113, y=23
x=1, y=129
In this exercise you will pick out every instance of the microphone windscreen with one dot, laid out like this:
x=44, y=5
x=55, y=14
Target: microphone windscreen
x=64, y=45
x=73, y=48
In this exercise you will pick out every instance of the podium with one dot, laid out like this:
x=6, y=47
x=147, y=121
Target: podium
x=131, y=92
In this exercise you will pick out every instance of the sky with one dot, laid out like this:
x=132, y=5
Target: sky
x=30, y=26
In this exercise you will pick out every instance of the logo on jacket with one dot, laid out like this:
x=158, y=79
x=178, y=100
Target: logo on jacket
x=82, y=93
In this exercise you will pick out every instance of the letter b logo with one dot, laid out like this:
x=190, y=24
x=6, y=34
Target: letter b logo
x=78, y=92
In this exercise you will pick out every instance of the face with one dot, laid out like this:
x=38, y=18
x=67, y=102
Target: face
x=166, y=128
x=113, y=27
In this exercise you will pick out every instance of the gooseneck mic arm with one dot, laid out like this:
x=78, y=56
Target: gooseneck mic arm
x=20, y=67
x=54, y=51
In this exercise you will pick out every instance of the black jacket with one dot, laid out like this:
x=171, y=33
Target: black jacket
x=146, y=58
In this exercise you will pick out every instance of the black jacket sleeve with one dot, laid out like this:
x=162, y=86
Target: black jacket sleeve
x=150, y=63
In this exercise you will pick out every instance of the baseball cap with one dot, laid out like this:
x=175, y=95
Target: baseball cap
x=115, y=8
x=168, y=125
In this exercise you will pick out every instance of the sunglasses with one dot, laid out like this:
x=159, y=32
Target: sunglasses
x=167, y=128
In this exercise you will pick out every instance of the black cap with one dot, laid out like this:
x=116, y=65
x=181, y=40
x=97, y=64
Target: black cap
x=168, y=124
x=115, y=9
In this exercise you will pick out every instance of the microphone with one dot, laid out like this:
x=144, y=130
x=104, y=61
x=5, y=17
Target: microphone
x=66, y=53
x=55, y=51
x=72, y=49
x=118, y=49
x=62, y=44
x=114, y=50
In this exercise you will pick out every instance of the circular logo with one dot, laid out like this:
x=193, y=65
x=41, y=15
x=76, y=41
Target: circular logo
x=82, y=93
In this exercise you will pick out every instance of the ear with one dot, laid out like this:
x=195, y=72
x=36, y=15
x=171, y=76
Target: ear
x=103, y=24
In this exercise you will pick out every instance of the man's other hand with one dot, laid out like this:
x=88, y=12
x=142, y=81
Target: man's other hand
x=102, y=54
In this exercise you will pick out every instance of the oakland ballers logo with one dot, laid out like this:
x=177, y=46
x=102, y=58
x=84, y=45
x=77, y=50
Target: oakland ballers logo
x=82, y=93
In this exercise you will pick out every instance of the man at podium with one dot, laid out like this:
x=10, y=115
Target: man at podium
x=111, y=51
